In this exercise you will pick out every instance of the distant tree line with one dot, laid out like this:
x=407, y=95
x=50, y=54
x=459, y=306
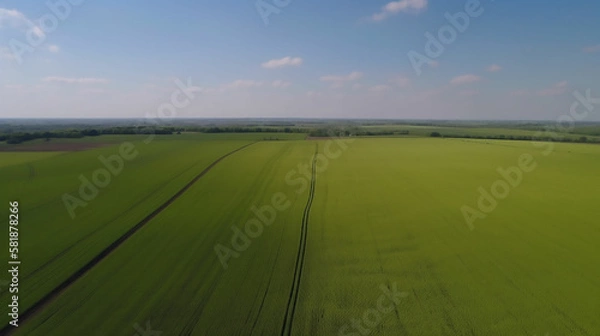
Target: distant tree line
x=19, y=137
x=381, y=133
x=239, y=129
x=352, y=131
x=582, y=139
x=330, y=132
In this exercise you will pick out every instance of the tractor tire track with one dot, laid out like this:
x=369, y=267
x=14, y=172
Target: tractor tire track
x=103, y=226
x=286, y=330
x=38, y=306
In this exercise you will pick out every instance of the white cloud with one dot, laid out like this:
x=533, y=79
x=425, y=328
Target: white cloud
x=592, y=49
x=519, y=93
x=67, y=80
x=380, y=88
x=556, y=90
x=338, y=82
x=53, y=48
x=242, y=83
x=280, y=84
x=401, y=81
x=6, y=54
x=17, y=20
x=92, y=91
x=351, y=77
x=469, y=93
x=465, y=79
x=395, y=7
x=494, y=68
x=283, y=62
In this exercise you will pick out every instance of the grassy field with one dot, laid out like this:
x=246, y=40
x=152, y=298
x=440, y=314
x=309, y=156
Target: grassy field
x=171, y=266
x=385, y=217
x=19, y=158
x=56, y=244
x=388, y=213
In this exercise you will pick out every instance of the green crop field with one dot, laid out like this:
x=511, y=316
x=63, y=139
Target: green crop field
x=19, y=158
x=272, y=234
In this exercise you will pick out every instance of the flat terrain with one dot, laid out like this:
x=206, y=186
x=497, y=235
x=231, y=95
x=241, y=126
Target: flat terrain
x=19, y=158
x=51, y=147
x=384, y=216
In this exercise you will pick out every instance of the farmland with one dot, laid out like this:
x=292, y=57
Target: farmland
x=270, y=239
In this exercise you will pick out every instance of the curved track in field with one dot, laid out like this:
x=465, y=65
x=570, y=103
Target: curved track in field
x=286, y=330
x=38, y=306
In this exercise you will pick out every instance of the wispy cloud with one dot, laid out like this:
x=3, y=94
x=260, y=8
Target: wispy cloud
x=6, y=54
x=338, y=82
x=465, y=79
x=92, y=91
x=280, y=84
x=401, y=81
x=494, y=68
x=283, y=62
x=17, y=20
x=395, y=7
x=67, y=80
x=469, y=93
x=592, y=49
x=434, y=64
x=243, y=83
x=313, y=94
x=351, y=77
x=380, y=88
x=519, y=93
x=556, y=90
x=53, y=48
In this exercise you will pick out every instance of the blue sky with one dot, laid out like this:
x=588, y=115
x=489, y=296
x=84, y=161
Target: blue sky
x=333, y=59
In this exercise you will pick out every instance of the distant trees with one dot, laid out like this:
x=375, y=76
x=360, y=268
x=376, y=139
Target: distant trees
x=239, y=129
x=582, y=139
x=20, y=137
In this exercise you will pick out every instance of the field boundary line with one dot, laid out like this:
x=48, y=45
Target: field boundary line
x=38, y=306
x=286, y=330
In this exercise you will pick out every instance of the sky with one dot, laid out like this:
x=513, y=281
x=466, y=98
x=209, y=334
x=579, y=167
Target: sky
x=406, y=59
